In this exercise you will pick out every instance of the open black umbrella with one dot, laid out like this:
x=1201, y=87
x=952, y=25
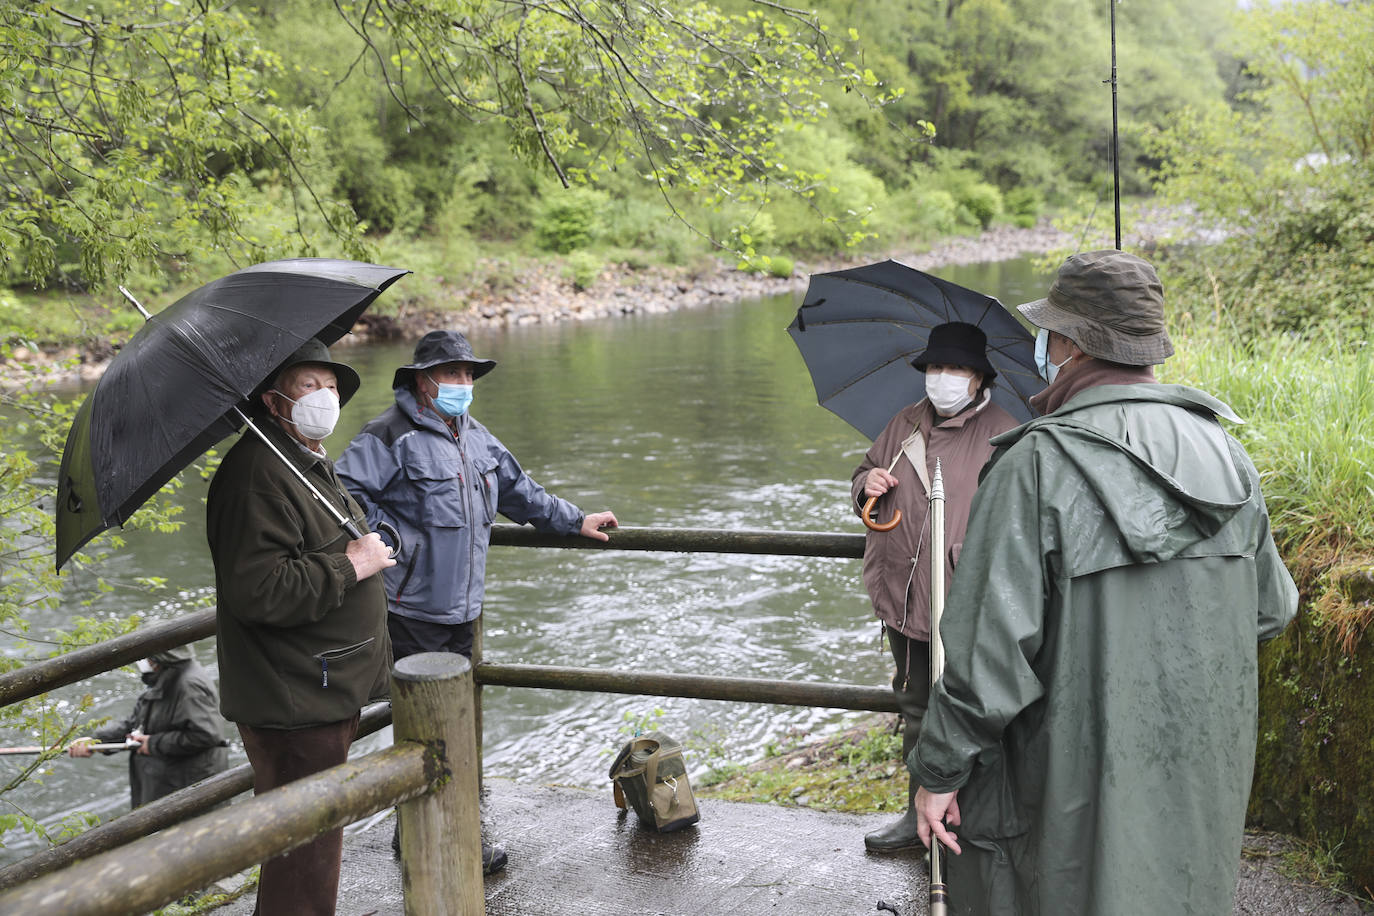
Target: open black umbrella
x=181, y=384
x=859, y=329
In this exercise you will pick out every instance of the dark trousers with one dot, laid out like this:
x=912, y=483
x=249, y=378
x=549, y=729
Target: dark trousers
x=910, y=685
x=304, y=881
x=411, y=637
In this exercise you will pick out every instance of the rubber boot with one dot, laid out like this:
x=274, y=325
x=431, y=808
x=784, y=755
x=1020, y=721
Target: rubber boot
x=493, y=856
x=900, y=834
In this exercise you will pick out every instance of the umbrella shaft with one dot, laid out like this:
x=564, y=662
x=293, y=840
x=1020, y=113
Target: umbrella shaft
x=344, y=521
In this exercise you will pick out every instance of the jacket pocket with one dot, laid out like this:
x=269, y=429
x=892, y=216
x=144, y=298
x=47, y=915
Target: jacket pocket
x=438, y=488
x=336, y=657
x=486, y=486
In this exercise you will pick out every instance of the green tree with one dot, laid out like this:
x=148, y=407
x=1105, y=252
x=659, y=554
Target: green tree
x=1286, y=172
x=133, y=133
x=136, y=133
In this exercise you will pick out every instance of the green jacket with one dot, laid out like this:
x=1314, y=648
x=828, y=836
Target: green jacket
x=301, y=641
x=185, y=732
x=1098, y=705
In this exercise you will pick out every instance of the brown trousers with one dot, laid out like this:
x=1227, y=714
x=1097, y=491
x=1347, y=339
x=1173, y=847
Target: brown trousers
x=304, y=881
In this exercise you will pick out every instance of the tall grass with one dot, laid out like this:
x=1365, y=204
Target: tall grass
x=1308, y=404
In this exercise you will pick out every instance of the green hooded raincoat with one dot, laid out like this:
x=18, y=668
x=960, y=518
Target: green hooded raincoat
x=1098, y=705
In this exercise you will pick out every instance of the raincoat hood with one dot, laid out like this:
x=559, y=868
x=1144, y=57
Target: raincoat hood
x=1160, y=488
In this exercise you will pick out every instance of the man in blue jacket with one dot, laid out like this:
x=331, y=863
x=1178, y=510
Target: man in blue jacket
x=439, y=477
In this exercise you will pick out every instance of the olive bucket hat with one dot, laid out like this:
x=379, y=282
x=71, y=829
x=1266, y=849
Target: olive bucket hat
x=1109, y=303
x=437, y=348
x=313, y=351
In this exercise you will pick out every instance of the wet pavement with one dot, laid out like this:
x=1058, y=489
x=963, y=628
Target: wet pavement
x=573, y=853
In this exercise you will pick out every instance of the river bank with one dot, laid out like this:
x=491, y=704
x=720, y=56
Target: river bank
x=543, y=294
x=858, y=771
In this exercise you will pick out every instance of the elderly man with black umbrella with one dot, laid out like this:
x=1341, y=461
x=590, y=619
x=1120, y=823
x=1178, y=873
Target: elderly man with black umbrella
x=952, y=423
x=301, y=627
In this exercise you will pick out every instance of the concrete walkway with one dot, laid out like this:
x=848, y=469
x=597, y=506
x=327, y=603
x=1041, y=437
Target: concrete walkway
x=572, y=853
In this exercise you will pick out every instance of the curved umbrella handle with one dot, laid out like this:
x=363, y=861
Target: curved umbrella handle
x=390, y=531
x=871, y=525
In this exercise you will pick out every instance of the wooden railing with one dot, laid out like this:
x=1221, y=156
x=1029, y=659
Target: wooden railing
x=432, y=774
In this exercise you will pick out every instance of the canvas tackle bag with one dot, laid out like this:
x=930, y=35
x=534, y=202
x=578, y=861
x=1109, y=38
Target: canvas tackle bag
x=650, y=772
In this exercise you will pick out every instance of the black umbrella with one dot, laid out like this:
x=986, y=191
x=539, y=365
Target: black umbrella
x=859, y=329
x=181, y=384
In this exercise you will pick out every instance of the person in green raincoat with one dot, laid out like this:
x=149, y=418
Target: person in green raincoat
x=1093, y=735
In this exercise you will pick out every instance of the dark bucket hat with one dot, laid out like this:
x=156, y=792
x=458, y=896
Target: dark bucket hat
x=173, y=656
x=437, y=348
x=1111, y=304
x=313, y=351
x=957, y=343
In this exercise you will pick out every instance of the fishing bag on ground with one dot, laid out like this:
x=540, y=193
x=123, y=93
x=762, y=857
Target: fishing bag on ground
x=649, y=771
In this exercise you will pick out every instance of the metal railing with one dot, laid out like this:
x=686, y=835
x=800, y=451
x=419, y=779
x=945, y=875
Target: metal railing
x=384, y=778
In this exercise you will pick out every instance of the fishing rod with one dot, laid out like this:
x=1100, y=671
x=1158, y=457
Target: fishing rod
x=939, y=896
x=40, y=749
x=1116, y=148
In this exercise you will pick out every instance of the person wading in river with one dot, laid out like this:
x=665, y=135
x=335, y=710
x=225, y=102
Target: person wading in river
x=427, y=468
x=176, y=723
x=954, y=423
x=1093, y=732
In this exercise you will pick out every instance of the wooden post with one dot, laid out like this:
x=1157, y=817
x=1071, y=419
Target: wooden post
x=441, y=832
x=478, y=643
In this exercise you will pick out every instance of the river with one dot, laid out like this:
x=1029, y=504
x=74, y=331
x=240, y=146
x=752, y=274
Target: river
x=697, y=418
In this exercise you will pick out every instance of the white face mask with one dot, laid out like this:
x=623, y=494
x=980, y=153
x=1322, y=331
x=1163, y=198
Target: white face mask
x=314, y=415
x=948, y=392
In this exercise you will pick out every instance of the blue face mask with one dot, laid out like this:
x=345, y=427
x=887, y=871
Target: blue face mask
x=1047, y=369
x=453, y=400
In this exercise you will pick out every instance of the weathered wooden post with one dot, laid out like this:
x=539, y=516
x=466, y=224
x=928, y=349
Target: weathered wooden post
x=441, y=832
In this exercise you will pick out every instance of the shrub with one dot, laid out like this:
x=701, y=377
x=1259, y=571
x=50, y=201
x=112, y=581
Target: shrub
x=982, y=201
x=780, y=267
x=1022, y=204
x=582, y=269
x=568, y=220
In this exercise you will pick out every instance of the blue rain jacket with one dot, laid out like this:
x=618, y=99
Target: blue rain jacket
x=442, y=492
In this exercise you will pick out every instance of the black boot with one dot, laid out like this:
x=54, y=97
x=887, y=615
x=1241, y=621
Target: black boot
x=900, y=834
x=493, y=856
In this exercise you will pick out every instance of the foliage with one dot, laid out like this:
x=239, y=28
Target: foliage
x=132, y=135
x=568, y=220
x=1023, y=206
x=691, y=97
x=1019, y=85
x=1286, y=173
x=859, y=770
x=583, y=268
x=34, y=429
x=1309, y=411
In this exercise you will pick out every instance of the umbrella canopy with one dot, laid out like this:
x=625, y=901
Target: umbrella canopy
x=859, y=329
x=171, y=392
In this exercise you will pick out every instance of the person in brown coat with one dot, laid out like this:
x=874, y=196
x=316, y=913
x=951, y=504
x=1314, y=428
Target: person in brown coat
x=952, y=423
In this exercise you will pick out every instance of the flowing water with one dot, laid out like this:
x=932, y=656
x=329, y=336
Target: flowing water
x=699, y=418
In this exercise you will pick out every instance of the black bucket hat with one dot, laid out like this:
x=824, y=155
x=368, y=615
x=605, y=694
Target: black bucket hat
x=314, y=351
x=1109, y=303
x=957, y=343
x=437, y=348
